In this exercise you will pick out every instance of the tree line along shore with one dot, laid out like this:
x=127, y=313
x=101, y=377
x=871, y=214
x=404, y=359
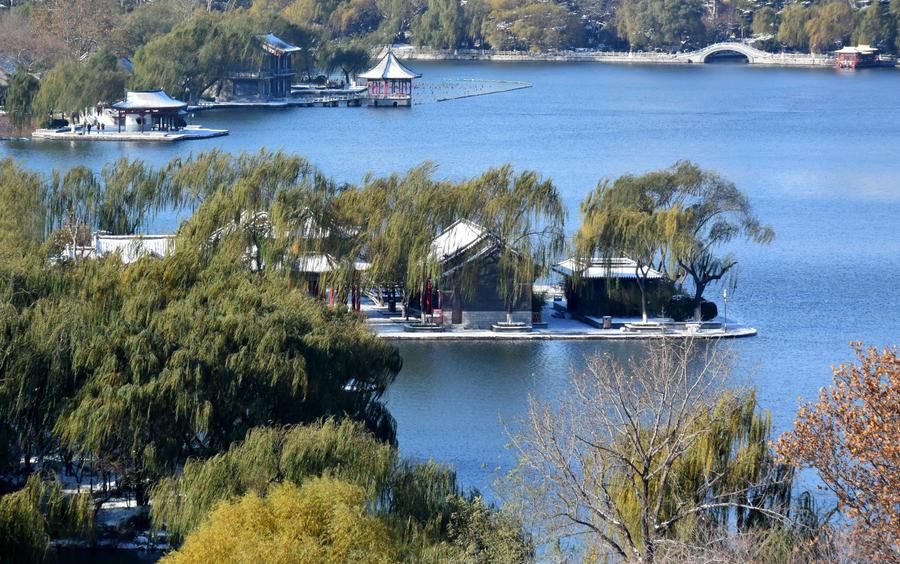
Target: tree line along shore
x=96, y=48
x=242, y=418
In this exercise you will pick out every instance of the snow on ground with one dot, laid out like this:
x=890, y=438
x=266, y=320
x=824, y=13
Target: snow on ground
x=559, y=326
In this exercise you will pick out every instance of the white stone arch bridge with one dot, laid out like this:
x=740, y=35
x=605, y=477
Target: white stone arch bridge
x=753, y=55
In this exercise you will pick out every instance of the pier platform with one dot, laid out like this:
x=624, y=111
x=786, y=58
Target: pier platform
x=391, y=326
x=188, y=133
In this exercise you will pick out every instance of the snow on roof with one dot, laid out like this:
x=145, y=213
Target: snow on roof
x=276, y=45
x=315, y=263
x=459, y=237
x=389, y=67
x=861, y=49
x=149, y=99
x=319, y=263
x=133, y=247
x=597, y=267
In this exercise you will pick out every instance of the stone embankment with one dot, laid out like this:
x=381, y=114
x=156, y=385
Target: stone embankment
x=754, y=56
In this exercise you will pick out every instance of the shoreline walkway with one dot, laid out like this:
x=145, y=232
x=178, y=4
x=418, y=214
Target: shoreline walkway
x=391, y=327
x=753, y=55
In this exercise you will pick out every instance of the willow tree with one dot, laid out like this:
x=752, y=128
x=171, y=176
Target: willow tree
x=19, y=99
x=133, y=369
x=648, y=451
x=625, y=218
x=270, y=211
x=521, y=214
x=131, y=195
x=200, y=350
x=526, y=216
x=199, y=53
x=713, y=212
x=418, y=506
x=402, y=215
x=73, y=204
x=347, y=60
x=266, y=457
x=324, y=520
x=39, y=511
x=73, y=86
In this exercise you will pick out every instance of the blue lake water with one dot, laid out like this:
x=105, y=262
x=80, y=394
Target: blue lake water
x=817, y=151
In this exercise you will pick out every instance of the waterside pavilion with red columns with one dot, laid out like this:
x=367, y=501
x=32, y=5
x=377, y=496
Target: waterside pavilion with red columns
x=389, y=83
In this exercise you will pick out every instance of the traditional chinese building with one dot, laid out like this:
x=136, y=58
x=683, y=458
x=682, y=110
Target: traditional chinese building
x=605, y=286
x=130, y=248
x=467, y=288
x=389, y=83
x=266, y=78
x=856, y=57
x=149, y=110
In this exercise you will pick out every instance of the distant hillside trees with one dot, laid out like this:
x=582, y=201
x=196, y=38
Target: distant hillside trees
x=830, y=26
x=441, y=26
x=792, y=31
x=659, y=24
x=765, y=21
x=535, y=27
x=877, y=27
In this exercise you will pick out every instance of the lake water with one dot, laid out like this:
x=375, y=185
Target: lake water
x=817, y=151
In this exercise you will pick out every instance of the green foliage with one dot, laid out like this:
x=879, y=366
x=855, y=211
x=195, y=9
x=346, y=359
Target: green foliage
x=652, y=452
x=134, y=369
x=485, y=535
x=147, y=21
x=730, y=454
x=661, y=24
x=421, y=492
x=792, y=31
x=674, y=220
x=765, y=21
x=877, y=27
x=19, y=99
x=32, y=515
x=72, y=86
x=830, y=25
x=523, y=212
x=197, y=54
x=131, y=193
x=348, y=60
x=440, y=26
x=22, y=212
x=417, y=509
x=268, y=456
x=355, y=17
x=624, y=218
x=533, y=26
x=323, y=520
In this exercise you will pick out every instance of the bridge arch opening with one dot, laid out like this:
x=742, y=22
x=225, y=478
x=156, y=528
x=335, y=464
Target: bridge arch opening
x=726, y=56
